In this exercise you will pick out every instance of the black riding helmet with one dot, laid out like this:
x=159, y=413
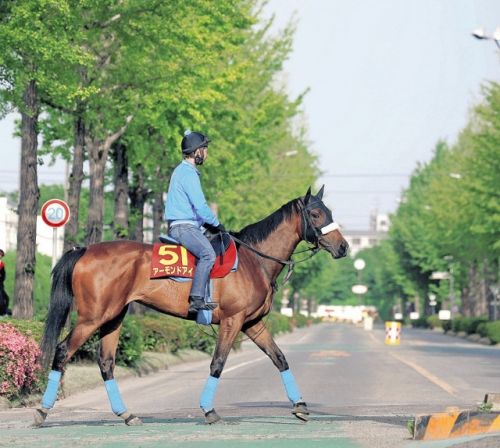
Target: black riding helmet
x=192, y=141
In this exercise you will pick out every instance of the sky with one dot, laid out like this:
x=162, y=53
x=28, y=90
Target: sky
x=387, y=80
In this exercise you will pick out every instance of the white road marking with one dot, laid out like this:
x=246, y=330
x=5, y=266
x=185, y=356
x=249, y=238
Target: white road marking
x=425, y=373
x=237, y=366
x=302, y=338
x=428, y=375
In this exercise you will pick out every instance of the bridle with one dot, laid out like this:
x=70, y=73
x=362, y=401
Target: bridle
x=309, y=233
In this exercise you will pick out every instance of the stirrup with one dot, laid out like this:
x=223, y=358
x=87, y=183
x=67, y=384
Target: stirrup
x=198, y=304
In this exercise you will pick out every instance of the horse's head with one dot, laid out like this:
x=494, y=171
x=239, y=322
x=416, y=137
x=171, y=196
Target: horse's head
x=318, y=226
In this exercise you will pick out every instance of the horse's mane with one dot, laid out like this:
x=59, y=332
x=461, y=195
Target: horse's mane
x=259, y=231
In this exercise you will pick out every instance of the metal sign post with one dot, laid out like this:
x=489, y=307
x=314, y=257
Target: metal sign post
x=54, y=246
x=55, y=213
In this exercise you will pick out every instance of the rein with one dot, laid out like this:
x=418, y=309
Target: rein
x=306, y=227
x=290, y=263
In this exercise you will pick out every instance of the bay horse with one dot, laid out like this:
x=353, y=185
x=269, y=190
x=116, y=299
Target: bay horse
x=104, y=278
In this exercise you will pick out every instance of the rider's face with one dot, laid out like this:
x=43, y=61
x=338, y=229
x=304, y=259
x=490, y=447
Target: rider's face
x=204, y=152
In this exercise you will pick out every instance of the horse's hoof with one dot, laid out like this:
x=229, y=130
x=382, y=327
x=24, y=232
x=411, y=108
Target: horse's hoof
x=300, y=411
x=40, y=416
x=131, y=419
x=212, y=417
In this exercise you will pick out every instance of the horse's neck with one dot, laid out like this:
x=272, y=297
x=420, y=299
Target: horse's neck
x=279, y=244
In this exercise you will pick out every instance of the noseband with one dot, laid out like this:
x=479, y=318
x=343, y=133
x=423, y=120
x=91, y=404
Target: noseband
x=310, y=233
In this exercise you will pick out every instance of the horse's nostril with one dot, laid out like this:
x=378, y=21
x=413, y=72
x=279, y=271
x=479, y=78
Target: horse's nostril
x=343, y=248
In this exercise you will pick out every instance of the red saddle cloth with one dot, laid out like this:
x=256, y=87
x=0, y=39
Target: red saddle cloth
x=173, y=260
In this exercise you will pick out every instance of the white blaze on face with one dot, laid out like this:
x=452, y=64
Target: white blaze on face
x=330, y=228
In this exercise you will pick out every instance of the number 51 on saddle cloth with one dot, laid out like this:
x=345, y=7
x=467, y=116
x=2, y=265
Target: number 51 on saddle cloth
x=174, y=260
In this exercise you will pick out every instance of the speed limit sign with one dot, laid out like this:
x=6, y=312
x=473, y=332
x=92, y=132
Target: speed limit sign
x=55, y=213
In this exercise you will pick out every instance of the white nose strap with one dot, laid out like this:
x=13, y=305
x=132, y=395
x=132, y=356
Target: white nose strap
x=330, y=228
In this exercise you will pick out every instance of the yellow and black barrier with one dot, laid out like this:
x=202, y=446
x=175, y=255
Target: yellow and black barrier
x=447, y=425
x=392, y=333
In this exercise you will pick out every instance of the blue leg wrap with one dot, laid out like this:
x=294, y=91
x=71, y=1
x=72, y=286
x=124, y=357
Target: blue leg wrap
x=114, y=396
x=204, y=317
x=290, y=386
x=50, y=395
x=208, y=394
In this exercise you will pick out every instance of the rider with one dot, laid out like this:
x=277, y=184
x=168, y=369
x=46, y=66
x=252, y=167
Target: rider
x=186, y=210
x=4, y=298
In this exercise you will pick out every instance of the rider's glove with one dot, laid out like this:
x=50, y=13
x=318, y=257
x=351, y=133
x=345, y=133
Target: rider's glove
x=221, y=228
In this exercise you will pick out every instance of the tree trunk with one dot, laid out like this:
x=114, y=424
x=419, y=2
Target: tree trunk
x=120, y=221
x=28, y=207
x=75, y=185
x=98, y=155
x=158, y=201
x=97, y=163
x=158, y=211
x=475, y=294
x=138, y=195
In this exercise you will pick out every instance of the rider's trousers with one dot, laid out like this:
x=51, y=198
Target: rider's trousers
x=192, y=238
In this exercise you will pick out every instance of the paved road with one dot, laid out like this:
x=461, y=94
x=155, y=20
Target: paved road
x=360, y=393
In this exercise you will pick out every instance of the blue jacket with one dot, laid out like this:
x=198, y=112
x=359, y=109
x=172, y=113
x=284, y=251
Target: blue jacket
x=185, y=199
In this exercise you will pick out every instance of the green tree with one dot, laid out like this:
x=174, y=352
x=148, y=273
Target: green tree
x=36, y=38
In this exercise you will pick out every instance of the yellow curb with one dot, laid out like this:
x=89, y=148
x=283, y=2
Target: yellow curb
x=447, y=425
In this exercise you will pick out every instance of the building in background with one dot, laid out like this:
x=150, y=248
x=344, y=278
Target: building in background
x=44, y=233
x=364, y=239
x=8, y=225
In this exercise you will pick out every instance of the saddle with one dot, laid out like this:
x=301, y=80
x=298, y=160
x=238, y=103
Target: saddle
x=170, y=259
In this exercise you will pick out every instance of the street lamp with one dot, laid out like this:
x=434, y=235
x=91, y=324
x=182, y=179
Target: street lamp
x=359, y=289
x=481, y=34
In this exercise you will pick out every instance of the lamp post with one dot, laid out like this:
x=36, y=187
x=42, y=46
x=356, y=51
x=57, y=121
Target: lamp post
x=481, y=34
x=432, y=302
x=359, y=289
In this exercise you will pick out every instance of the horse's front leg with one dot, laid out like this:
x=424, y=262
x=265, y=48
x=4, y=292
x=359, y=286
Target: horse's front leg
x=228, y=330
x=263, y=339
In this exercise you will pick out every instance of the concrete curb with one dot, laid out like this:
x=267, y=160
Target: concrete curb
x=453, y=424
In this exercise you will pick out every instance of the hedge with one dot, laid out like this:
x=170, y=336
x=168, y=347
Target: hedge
x=158, y=332
x=20, y=370
x=467, y=324
x=490, y=330
x=434, y=321
x=421, y=322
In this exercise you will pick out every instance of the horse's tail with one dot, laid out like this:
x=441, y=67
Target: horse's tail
x=61, y=298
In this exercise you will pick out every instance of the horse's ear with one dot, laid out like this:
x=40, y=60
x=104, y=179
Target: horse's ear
x=320, y=192
x=307, y=196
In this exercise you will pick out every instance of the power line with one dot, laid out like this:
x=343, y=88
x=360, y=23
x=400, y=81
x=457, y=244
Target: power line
x=59, y=173
x=367, y=175
x=363, y=192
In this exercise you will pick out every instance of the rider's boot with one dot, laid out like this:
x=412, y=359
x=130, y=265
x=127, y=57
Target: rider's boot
x=197, y=303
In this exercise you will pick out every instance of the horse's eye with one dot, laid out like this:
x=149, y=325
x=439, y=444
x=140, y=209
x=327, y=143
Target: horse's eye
x=315, y=215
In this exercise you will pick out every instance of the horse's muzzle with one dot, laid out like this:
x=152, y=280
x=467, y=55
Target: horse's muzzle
x=342, y=250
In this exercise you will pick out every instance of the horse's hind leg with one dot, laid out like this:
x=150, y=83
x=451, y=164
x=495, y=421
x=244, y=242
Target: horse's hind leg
x=110, y=335
x=263, y=339
x=64, y=351
x=229, y=329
